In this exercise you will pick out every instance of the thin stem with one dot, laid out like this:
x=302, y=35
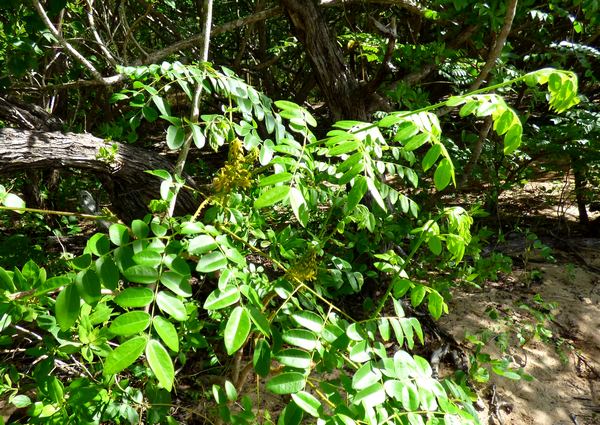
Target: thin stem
x=78, y=56
x=63, y=213
x=406, y=261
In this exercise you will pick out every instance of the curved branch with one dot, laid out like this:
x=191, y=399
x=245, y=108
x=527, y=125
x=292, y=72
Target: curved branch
x=76, y=55
x=495, y=52
x=90, y=14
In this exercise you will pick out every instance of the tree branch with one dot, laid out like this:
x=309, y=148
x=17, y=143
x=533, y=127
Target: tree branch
x=495, y=52
x=199, y=38
x=123, y=173
x=76, y=55
x=90, y=14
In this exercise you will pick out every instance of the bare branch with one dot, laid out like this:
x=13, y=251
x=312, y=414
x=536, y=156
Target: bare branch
x=78, y=56
x=90, y=14
x=195, y=113
x=411, y=6
x=495, y=52
x=198, y=39
x=130, y=29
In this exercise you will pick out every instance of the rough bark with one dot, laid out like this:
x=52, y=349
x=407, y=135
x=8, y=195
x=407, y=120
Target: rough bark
x=579, y=173
x=339, y=86
x=123, y=176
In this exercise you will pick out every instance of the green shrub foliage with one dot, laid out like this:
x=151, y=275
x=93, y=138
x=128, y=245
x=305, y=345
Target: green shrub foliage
x=256, y=281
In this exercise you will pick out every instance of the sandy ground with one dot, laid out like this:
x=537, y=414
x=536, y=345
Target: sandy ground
x=563, y=392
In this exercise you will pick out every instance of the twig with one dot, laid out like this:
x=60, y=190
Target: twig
x=129, y=28
x=107, y=53
x=185, y=149
x=28, y=332
x=76, y=55
x=495, y=52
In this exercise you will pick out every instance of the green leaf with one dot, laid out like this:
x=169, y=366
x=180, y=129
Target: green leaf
x=410, y=397
x=130, y=323
x=468, y=107
x=148, y=258
x=20, y=401
x=262, y=358
x=162, y=106
x=88, y=286
x=260, y=321
x=290, y=415
x=416, y=142
x=390, y=120
x=309, y=320
x=149, y=113
x=141, y=274
x=351, y=173
x=172, y=306
x=230, y=391
x=108, y=272
x=455, y=101
x=443, y=174
x=115, y=97
x=274, y=179
x=298, y=204
x=360, y=352
x=286, y=383
x=211, y=262
x=405, y=131
x=266, y=152
x=67, y=307
x=365, y=376
x=308, y=403
x=344, y=147
x=98, y=244
x=393, y=388
x=177, y=283
x=221, y=298
x=124, y=355
x=432, y=156
x=175, y=137
x=435, y=244
x=288, y=106
x=237, y=329
x=49, y=285
x=417, y=294
x=300, y=338
x=272, y=196
x=13, y=201
x=198, y=136
x=167, y=332
x=82, y=262
x=512, y=139
x=506, y=120
x=161, y=364
x=118, y=233
x=375, y=193
x=140, y=229
x=202, y=244
x=356, y=194
x=294, y=357
x=134, y=297
x=435, y=304
x=371, y=396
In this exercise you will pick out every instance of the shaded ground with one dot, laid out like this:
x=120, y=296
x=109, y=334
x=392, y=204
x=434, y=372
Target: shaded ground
x=566, y=362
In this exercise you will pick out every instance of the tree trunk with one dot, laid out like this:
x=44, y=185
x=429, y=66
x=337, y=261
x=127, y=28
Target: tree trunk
x=339, y=86
x=128, y=185
x=579, y=172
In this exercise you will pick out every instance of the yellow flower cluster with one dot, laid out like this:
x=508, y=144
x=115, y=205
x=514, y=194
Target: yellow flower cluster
x=236, y=171
x=305, y=269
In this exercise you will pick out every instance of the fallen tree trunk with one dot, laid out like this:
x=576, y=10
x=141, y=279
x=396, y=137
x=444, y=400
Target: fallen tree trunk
x=123, y=175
